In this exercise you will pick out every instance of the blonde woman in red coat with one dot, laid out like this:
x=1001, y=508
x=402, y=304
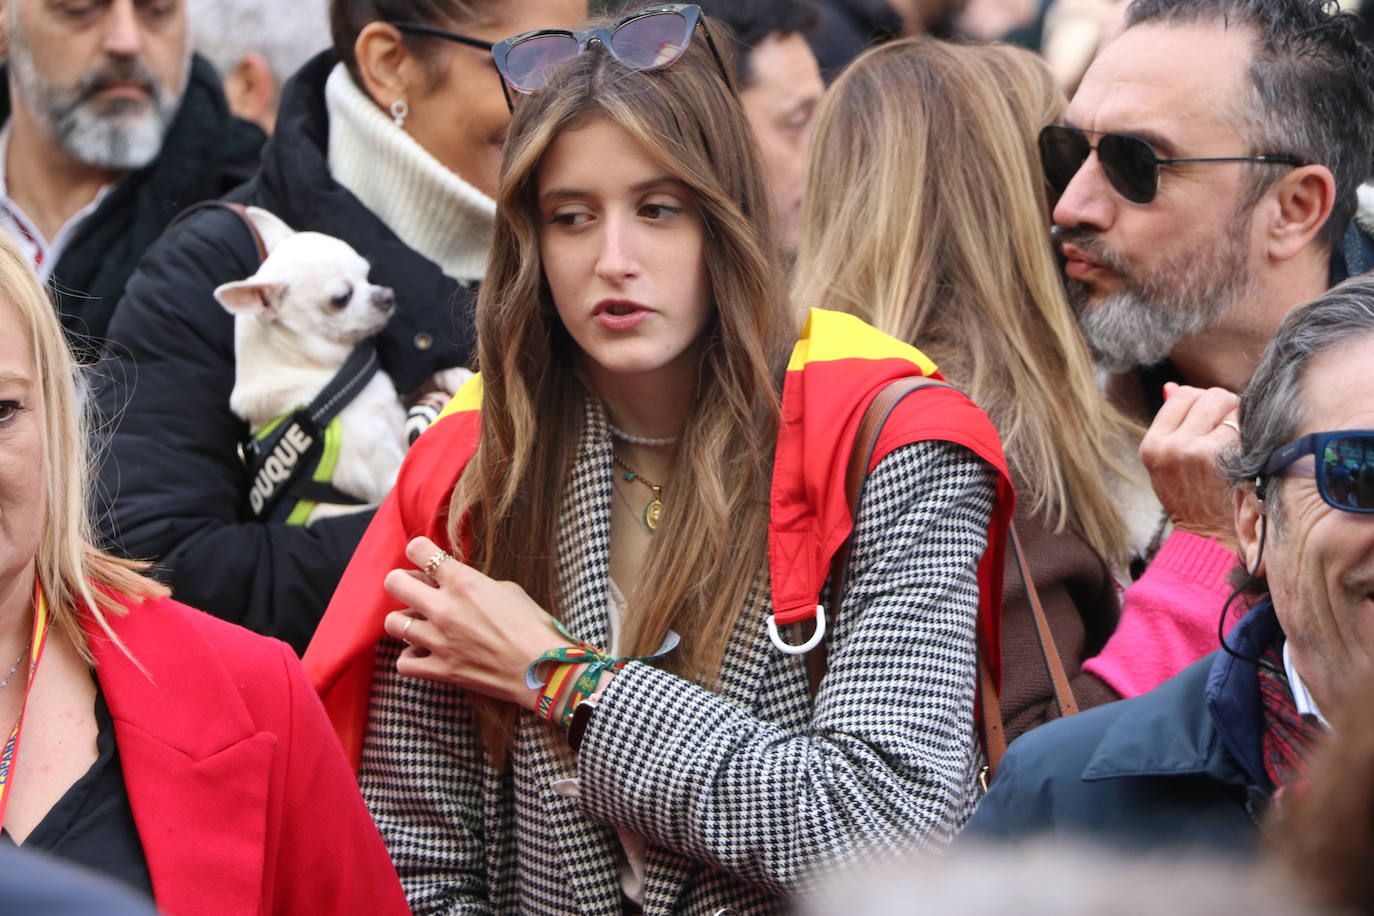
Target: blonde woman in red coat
x=174, y=752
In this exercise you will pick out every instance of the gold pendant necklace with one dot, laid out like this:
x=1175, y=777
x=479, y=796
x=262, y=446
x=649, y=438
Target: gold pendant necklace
x=653, y=512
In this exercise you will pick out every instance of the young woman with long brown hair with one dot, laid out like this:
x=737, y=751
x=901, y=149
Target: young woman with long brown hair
x=642, y=468
x=925, y=214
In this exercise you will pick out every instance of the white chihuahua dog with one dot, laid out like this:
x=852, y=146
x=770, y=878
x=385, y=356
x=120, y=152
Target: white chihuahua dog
x=295, y=323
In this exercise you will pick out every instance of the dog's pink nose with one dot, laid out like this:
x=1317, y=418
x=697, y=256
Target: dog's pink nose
x=383, y=298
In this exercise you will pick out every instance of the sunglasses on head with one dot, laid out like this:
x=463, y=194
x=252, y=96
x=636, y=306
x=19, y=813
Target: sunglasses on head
x=646, y=40
x=1344, y=467
x=1129, y=163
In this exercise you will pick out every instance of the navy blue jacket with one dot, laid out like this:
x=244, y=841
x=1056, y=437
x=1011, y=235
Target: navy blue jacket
x=1180, y=765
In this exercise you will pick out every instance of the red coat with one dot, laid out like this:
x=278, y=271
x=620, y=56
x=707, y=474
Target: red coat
x=241, y=793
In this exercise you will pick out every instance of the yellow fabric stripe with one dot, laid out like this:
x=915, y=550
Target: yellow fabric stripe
x=324, y=471
x=829, y=336
x=329, y=458
x=267, y=430
x=469, y=397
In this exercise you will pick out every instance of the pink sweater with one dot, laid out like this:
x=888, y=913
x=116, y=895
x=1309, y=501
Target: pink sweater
x=1168, y=615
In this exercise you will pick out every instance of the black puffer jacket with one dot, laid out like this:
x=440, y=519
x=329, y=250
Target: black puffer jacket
x=176, y=486
x=206, y=152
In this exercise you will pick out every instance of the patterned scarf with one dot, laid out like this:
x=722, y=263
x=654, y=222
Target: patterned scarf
x=1287, y=736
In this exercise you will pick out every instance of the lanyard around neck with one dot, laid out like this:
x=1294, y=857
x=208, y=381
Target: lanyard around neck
x=9, y=757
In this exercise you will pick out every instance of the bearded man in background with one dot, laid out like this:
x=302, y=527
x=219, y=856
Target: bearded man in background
x=110, y=128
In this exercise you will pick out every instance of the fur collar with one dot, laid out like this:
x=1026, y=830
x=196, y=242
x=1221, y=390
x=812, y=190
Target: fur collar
x=1364, y=213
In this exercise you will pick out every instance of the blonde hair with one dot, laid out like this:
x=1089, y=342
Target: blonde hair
x=76, y=576
x=924, y=214
x=703, y=563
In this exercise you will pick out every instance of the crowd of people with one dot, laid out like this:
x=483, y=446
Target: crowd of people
x=885, y=443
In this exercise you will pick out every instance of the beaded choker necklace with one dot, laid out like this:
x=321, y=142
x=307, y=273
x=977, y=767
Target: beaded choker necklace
x=643, y=440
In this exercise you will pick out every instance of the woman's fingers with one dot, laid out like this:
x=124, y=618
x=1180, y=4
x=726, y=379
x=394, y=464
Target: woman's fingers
x=431, y=559
x=1209, y=410
x=408, y=588
x=1197, y=411
x=401, y=625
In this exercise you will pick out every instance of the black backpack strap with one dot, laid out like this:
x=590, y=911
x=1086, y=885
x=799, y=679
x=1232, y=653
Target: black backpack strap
x=277, y=461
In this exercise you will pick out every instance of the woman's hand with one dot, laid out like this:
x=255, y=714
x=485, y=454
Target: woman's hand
x=1180, y=452
x=466, y=628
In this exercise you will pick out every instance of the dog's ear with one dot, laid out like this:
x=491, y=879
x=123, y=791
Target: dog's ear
x=249, y=297
x=269, y=226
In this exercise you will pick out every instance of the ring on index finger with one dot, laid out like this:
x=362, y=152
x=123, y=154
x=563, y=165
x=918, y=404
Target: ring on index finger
x=433, y=563
x=1233, y=424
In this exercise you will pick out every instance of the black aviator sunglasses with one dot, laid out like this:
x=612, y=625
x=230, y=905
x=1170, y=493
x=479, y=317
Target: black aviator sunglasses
x=1130, y=163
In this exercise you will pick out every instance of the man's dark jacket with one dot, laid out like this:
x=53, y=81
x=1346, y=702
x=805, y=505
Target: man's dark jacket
x=205, y=152
x=177, y=487
x=1179, y=766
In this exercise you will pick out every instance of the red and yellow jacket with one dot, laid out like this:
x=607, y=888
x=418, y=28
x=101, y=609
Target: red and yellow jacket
x=837, y=367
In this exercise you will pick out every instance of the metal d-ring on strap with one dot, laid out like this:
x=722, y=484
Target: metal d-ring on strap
x=805, y=647
x=856, y=474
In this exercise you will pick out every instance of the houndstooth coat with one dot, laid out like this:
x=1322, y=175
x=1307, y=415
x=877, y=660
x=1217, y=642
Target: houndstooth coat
x=743, y=795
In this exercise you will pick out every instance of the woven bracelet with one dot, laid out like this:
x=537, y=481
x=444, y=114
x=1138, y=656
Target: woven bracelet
x=561, y=663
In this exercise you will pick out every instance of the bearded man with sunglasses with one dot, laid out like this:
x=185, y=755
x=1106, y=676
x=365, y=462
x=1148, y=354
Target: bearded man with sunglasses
x=1198, y=760
x=1206, y=174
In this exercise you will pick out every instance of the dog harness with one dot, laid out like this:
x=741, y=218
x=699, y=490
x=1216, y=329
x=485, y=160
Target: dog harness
x=278, y=455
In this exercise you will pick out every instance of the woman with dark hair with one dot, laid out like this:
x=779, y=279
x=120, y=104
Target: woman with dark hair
x=580, y=705
x=391, y=141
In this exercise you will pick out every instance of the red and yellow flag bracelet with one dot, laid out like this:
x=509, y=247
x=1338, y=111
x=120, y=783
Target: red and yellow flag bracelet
x=564, y=687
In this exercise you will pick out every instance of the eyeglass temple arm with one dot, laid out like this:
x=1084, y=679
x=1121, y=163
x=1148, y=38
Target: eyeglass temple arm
x=505, y=91
x=1272, y=158
x=1285, y=455
x=724, y=70
x=419, y=28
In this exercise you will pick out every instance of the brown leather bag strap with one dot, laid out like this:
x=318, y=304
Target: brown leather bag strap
x=1063, y=693
x=865, y=442
x=994, y=731
x=238, y=208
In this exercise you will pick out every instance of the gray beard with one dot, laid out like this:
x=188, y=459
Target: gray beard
x=1149, y=314
x=120, y=135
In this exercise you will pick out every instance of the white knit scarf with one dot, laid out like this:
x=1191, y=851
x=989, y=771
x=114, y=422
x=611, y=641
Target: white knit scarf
x=430, y=208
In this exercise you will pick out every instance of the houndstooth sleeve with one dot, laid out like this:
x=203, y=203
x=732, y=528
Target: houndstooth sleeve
x=422, y=775
x=888, y=757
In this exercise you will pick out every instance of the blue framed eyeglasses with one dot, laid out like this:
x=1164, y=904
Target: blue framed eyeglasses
x=1344, y=466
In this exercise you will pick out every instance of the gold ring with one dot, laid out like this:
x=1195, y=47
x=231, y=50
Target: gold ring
x=406, y=629
x=1232, y=424
x=433, y=563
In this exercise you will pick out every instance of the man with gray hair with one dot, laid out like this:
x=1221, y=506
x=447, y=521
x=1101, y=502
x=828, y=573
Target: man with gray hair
x=1197, y=760
x=110, y=128
x=255, y=45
